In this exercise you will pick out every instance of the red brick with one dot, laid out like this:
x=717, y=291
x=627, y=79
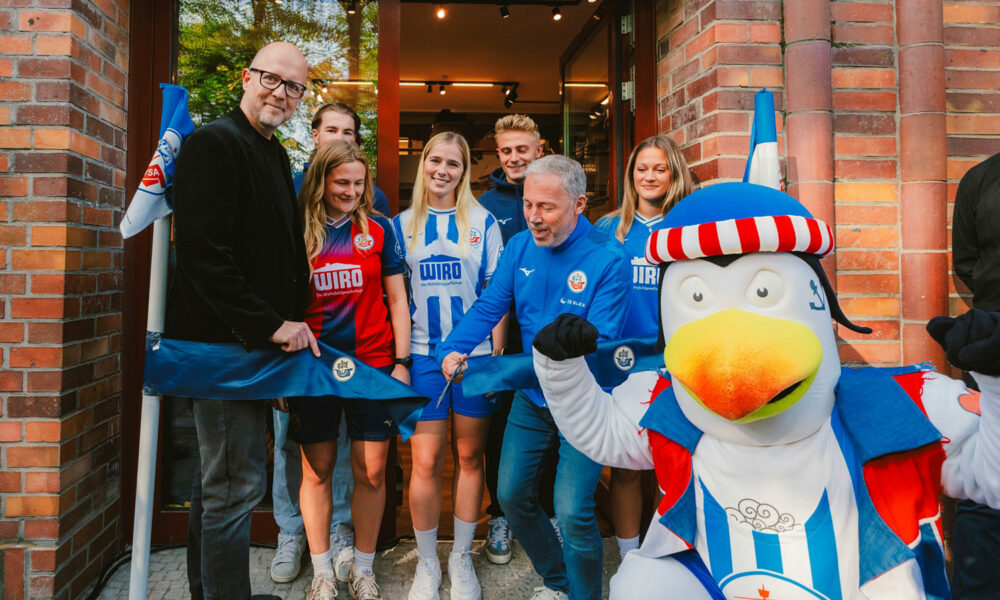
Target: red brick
x=977, y=14
x=41, y=431
x=866, y=260
x=44, y=68
x=971, y=36
x=855, y=56
x=10, y=431
x=13, y=573
x=863, y=34
x=54, y=45
x=867, y=237
x=854, y=101
x=865, y=169
x=41, y=482
x=11, y=381
x=45, y=21
x=10, y=481
x=847, y=146
x=861, y=12
x=875, y=353
x=32, y=456
x=41, y=529
x=37, y=308
x=972, y=80
x=13, y=186
x=751, y=54
x=765, y=33
x=864, y=78
x=977, y=58
x=15, y=137
x=15, y=44
x=45, y=260
x=32, y=506
x=43, y=559
x=850, y=191
x=32, y=357
x=13, y=235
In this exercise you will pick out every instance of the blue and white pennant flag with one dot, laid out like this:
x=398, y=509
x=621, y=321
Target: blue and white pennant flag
x=763, y=165
x=150, y=201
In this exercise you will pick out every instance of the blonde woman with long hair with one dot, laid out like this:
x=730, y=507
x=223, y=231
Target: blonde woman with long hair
x=657, y=177
x=451, y=247
x=354, y=259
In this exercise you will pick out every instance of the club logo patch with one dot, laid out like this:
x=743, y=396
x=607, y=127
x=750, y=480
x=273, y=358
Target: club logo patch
x=364, y=242
x=624, y=358
x=475, y=236
x=343, y=369
x=577, y=281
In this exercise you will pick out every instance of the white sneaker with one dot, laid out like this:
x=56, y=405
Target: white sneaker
x=544, y=593
x=342, y=537
x=288, y=557
x=344, y=563
x=464, y=583
x=363, y=586
x=323, y=588
x=497, y=543
x=426, y=581
x=555, y=526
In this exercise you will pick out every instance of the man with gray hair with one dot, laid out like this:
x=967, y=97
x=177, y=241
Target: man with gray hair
x=562, y=264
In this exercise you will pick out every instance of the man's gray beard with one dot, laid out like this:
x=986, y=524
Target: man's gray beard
x=266, y=120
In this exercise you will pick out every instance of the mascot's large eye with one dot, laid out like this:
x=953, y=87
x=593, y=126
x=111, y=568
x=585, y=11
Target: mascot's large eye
x=695, y=293
x=766, y=289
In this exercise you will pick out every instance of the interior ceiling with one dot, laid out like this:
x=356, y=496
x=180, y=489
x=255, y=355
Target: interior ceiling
x=473, y=43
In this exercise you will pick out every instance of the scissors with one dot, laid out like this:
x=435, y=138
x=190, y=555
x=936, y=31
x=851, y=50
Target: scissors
x=454, y=374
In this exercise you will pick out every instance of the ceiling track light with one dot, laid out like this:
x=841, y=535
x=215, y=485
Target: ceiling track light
x=441, y=12
x=430, y=88
x=504, y=12
x=352, y=7
x=441, y=90
x=556, y=13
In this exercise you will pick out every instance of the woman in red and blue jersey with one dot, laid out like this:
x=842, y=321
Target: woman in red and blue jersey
x=451, y=245
x=657, y=178
x=354, y=258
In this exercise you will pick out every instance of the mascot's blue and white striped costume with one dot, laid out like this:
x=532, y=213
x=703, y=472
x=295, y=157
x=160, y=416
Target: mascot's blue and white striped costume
x=785, y=477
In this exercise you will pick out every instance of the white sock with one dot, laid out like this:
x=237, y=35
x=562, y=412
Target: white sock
x=427, y=544
x=464, y=531
x=363, y=562
x=322, y=563
x=626, y=544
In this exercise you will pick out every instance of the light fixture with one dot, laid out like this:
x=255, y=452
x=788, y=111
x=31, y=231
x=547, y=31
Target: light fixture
x=606, y=100
x=504, y=90
x=511, y=97
x=430, y=88
x=597, y=16
x=441, y=12
x=441, y=90
x=352, y=7
x=507, y=102
x=556, y=14
x=504, y=12
x=325, y=90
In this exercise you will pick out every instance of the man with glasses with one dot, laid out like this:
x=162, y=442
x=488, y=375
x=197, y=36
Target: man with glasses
x=242, y=276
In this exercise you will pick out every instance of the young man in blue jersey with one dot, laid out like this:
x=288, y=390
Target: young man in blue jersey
x=561, y=265
x=337, y=121
x=519, y=143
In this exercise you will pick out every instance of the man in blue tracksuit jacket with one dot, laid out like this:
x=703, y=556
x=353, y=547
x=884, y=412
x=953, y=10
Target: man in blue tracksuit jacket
x=561, y=265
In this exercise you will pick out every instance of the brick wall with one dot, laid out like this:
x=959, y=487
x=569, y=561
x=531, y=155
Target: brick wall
x=63, y=67
x=972, y=76
x=714, y=54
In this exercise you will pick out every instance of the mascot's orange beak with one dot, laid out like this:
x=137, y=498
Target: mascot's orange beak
x=744, y=366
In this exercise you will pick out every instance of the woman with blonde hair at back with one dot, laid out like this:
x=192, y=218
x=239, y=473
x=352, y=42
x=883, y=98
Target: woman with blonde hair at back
x=354, y=259
x=656, y=178
x=451, y=245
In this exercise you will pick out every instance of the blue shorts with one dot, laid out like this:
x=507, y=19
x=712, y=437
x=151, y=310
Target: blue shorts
x=314, y=420
x=426, y=378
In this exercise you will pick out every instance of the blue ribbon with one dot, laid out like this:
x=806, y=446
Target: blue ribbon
x=611, y=365
x=228, y=372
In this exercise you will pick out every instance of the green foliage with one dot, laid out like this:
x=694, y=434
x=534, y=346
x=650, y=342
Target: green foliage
x=218, y=39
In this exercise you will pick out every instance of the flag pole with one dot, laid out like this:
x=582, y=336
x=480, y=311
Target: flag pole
x=149, y=425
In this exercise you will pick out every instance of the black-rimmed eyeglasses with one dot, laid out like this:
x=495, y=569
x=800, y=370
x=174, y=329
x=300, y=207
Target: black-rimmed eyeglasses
x=272, y=81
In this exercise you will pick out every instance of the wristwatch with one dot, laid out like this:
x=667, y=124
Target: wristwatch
x=406, y=361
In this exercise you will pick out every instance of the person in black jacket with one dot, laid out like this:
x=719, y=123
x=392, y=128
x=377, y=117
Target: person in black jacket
x=976, y=260
x=242, y=276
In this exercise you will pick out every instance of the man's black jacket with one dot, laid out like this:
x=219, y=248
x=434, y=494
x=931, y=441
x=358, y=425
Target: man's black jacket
x=241, y=260
x=976, y=233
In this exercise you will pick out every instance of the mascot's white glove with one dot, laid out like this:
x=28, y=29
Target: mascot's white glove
x=602, y=426
x=972, y=343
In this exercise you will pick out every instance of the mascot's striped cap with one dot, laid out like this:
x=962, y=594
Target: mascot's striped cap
x=737, y=218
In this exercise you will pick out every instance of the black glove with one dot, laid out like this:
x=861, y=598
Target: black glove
x=568, y=336
x=971, y=341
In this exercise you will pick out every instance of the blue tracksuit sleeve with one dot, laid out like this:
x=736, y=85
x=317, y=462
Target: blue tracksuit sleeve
x=611, y=302
x=485, y=313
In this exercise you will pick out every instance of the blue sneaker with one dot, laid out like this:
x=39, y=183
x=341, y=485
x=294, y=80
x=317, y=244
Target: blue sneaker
x=498, y=542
